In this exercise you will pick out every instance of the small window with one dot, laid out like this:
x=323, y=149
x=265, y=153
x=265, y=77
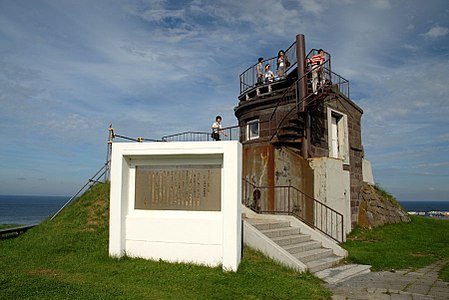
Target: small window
x=252, y=129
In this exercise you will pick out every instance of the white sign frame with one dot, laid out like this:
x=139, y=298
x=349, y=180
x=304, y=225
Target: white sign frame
x=209, y=238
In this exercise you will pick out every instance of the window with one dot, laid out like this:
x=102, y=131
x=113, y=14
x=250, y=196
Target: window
x=338, y=135
x=252, y=129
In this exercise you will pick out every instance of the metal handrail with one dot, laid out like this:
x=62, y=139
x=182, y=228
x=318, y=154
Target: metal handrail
x=6, y=233
x=187, y=136
x=325, y=219
x=90, y=182
x=226, y=134
x=248, y=78
x=332, y=79
x=273, y=117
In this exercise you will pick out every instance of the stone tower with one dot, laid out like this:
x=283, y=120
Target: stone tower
x=302, y=152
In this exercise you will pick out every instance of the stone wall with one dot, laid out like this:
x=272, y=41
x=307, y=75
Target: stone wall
x=376, y=210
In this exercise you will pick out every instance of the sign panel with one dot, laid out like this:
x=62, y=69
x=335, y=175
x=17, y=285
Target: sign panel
x=184, y=187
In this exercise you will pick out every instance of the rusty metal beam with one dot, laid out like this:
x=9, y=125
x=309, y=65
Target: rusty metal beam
x=301, y=57
x=302, y=90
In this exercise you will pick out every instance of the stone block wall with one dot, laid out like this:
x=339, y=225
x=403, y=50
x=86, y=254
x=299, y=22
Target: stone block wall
x=375, y=210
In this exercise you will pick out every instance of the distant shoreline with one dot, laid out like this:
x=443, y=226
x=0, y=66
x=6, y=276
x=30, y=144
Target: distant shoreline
x=25, y=210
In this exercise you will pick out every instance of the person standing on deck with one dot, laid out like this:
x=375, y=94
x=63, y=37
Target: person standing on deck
x=317, y=70
x=281, y=64
x=216, y=129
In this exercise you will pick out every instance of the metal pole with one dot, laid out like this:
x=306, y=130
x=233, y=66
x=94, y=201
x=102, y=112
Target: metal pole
x=302, y=87
x=301, y=57
x=109, y=151
x=80, y=190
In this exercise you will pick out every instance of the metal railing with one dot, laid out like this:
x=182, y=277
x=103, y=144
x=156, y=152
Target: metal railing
x=15, y=231
x=231, y=133
x=288, y=200
x=331, y=78
x=248, y=79
x=279, y=115
x=96, y=178
x=291, y=94
x=188, y=136
x=341, y=83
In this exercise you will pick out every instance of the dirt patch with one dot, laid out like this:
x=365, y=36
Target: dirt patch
x=363, y=239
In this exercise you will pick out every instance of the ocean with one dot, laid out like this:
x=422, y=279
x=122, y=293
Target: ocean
x=425, y=206
x=27, y=210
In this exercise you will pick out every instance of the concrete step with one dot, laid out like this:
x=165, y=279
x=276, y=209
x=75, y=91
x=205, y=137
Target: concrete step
x=278, y=232
x=342, y=273
x=301, y=247
x=291, y=239
x=267, y=224
x=314, y=254
x=323, y=263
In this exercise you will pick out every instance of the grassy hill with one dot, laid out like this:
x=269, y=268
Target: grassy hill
x=67, y=258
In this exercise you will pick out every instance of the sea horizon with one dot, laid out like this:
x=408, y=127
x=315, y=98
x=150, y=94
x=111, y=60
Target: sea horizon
x=33, y=209
x=28, y=195
x=27, y=210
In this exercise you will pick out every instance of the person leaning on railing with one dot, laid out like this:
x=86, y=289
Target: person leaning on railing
x=216, y=129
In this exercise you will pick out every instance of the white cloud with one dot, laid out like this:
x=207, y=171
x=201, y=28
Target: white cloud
x=436, y=32
x=381, y=4
x=313, y=6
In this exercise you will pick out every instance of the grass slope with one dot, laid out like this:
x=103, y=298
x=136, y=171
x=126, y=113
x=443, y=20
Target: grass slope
x=67, y=258
x=405, y=245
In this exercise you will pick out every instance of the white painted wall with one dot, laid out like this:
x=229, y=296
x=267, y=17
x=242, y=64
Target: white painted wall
x=332, y=187
x=367, y=172
x=202, y=237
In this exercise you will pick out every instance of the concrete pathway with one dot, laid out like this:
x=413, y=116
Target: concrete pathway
x=421, y=284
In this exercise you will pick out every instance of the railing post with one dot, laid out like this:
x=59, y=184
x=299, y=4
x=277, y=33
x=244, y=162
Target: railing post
x=301, y=61
x=302, y=88
x=342, y=233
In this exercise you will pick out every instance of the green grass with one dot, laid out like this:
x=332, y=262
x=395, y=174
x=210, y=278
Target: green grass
x=398, y=246
x=386, y=195
x=67, y=258
x=444, y=273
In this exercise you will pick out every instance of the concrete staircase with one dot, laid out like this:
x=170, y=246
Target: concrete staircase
x=307, y=251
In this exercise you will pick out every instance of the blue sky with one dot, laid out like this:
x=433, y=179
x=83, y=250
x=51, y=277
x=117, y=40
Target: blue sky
x=69, y=68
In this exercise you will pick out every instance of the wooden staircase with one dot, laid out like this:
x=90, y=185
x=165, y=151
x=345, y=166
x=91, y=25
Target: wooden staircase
x=307, y=251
